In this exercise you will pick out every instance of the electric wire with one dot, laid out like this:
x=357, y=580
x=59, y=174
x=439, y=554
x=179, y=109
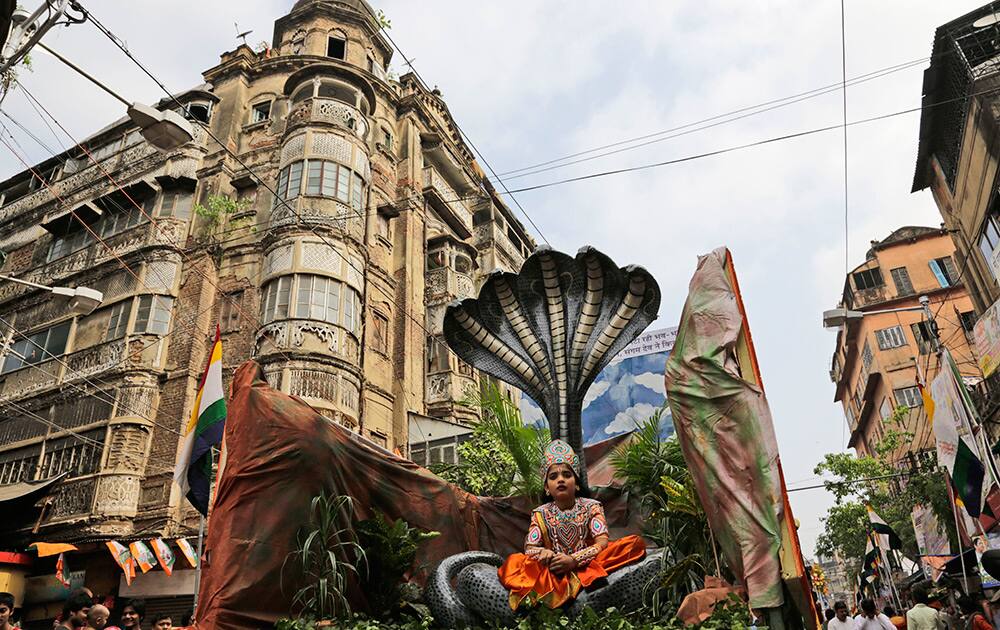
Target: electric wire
x=3, y=141
x=24, y=412
x=192, y=266
x=224, y=146
x=819, y=91
x=96, y=394
x=748, y=145
x=472, y=145
x=685, y=130
x=173, y=324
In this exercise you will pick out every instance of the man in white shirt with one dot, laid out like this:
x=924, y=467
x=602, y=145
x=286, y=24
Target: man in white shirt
x=871, y=619
x=841, y=620
x=922, y=616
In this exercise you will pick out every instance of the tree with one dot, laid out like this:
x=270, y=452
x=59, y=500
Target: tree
x=892, y=487
x=504, y=455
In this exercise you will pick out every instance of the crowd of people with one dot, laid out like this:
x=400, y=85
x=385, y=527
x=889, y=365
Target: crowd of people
x=971, y=613
x=82, y=612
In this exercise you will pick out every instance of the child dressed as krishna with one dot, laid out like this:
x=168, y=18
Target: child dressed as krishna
x=567, y=546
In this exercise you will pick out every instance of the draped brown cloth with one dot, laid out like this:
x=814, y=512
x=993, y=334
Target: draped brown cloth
x=281, y=453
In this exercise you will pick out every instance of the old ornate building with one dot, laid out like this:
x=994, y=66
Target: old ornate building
x=957, y=159
x=324, y=219
x=879, y=356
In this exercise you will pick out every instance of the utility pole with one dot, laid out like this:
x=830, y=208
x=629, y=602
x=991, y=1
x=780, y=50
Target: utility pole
x=26, y=29
x=925, y=304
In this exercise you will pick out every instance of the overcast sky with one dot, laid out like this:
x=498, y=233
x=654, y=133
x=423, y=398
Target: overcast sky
x=532, y=81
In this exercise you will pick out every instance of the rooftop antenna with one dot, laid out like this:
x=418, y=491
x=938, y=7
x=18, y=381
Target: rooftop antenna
x=242, y=35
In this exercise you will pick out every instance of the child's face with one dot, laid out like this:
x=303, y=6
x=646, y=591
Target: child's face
x=163, y=624
x=560, y=482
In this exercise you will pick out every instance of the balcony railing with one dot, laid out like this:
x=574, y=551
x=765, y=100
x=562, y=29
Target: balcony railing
x=448, y=284
x=453, y=206
x=492, y=234
x=324, y=212
x=447, y=387
x=121, y=165
x=331, y=111
x=133, y=351
x=165, y=233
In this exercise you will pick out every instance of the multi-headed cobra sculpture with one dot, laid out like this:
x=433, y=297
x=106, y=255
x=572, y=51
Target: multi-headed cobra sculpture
x=552, y=327
x=548, y=330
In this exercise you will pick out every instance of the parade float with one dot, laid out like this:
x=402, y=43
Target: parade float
x=548, y=330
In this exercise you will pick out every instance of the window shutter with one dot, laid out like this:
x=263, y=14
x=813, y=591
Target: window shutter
x=939, y=273
x=949, y=269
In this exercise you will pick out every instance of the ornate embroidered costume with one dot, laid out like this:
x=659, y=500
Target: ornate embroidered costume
x=580, y=531
x=571, y=531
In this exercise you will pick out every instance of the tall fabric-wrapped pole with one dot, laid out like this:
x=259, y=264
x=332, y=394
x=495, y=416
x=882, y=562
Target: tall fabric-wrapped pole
x=724, y=426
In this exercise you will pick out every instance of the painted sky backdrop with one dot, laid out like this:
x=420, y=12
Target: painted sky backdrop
x=626, y=392
x=531, y=81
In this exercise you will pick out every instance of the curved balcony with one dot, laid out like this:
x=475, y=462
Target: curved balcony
x=330, y=111
x=316, y=211
x=444, y=285
x=307, y=336
x=333, y=390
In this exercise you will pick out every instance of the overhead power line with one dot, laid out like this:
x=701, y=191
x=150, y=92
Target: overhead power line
x=740, y=147
x=279, y=199
x=709, y=123
x=482, y=157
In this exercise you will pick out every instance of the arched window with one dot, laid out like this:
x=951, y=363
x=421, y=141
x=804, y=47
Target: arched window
x=199, y=111
x=302, y=93
x=336, y=45
x=298, y=42
x=338, y=92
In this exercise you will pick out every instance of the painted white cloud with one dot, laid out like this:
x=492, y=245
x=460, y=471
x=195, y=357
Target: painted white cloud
x=630, y=418
x=596, y=391
x=531, y=414
x=652, y=380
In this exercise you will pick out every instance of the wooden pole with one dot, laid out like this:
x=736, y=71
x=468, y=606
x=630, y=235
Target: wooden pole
x=958, y=531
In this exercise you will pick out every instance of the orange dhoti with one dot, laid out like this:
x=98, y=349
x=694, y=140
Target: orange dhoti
x=530, y=581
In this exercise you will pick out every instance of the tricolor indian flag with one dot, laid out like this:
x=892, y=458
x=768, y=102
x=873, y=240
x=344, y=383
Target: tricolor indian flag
x=203, y=431
x=885, y=537
x=951, y=417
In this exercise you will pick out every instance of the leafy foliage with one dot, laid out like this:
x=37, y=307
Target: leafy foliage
x=855, y=484
x=327, y=553
x=9, y=77
x=384, y=23
x=390, y=548
x=485, y=469
x=655, y=473
x=219, y=212
x=503, y=456
x=729, y=615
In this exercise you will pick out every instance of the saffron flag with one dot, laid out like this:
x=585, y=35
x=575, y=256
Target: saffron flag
x=188, y=552
x=163, y=554
x=123, y=557
x=885, y=536
x=61, y=571
x=142, y=555
x=51, y=549
x=203, y=431
x=951, y=418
